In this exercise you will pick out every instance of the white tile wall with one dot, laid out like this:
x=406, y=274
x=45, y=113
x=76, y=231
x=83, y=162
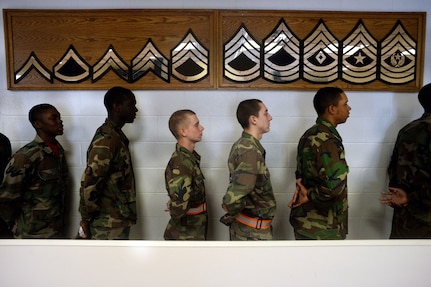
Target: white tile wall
x=368, y=134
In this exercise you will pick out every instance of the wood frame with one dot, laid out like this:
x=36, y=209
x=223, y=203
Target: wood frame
x=49, y=34
x=379, y=24
x=42, y=38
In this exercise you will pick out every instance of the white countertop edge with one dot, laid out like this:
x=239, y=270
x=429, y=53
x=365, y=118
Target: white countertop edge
x=206, y=244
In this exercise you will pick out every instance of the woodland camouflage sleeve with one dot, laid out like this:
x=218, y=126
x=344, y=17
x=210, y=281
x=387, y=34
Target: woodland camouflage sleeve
x=332, y=171
x=94, y=179
x=12, y=187
x=410, y=167
x=179, y=186
x=242, y=181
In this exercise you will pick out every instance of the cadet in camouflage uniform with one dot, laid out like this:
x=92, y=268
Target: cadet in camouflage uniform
x=32, y=195
x=410, y=176
x=185, y=181
x=5, y=154
x=319, y=205
x=249, y=199
x=108, y=196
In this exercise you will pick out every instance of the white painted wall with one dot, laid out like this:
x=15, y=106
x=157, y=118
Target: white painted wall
x=368, y=134
x=349, y=263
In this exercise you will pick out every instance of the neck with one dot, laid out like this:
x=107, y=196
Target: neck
x=48, y=139
x=116, y=120
x=330, y=119
x=256, y=134
x=190, y=146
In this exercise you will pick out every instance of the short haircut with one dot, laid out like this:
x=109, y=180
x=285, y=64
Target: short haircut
x=116, y=95
x=246, y=109
x=424, y=97
x=326, y=97
x=36, y=111
x=179, y=119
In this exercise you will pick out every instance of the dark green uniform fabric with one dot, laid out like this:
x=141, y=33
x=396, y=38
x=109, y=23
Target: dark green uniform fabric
x=250, y=190
x=33, y=191
x=5, y=154
x=108, y=196
x=323, y=168
x=410, y=170
x=186, y=189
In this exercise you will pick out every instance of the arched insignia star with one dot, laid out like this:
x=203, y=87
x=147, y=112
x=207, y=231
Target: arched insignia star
x=360, y=58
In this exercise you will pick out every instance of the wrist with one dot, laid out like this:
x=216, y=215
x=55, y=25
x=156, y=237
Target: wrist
x=85, y=220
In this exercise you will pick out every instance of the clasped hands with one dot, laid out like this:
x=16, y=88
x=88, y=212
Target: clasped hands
x=300, y=196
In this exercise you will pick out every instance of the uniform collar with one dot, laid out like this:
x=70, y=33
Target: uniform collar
x=194, y=156
x=45, y=146
x=328, y=124
x=254, y=140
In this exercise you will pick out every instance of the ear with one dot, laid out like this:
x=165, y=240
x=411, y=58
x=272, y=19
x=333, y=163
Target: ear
x=37, y=124
x=252, y=120
x=182, y=132
x=332, y=109
x=115, y=107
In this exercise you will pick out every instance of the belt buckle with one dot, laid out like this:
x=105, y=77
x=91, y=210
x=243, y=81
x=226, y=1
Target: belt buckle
x=259, y=222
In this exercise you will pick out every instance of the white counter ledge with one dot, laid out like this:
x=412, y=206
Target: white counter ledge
x=215, y=263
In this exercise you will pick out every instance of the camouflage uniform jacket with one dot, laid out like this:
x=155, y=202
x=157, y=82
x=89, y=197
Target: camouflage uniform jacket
x=323, y=168
x=5, y=154
x=186, y=189
x=33, y=191
x=250, y=190
x=108, y=196
x=410, y=169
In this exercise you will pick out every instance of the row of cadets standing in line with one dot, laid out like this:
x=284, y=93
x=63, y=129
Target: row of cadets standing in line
x=35, y=184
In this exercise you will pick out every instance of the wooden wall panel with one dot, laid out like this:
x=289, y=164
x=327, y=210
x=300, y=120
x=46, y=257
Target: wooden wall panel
x=301, y=23
x=47, y=35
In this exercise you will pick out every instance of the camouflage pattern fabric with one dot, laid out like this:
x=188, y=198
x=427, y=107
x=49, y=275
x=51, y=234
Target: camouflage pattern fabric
x=186, y=189
x=250, y=190
x=109, y=233
x=241, y=232
x=410, y=169
x=33, y=191
x=323, y=168
x=108, y=196
x=5, y=154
